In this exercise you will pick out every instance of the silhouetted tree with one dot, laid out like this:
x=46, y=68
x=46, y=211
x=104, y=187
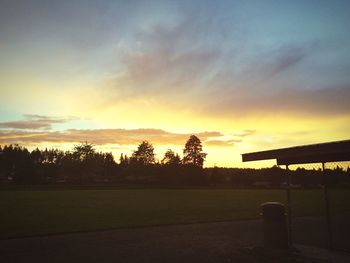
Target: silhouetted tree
x=84, y=162
x=193, y=152
x=85, y=165
x=105, y=166
x=18, y=165
x=123, y=160
x=36, y=156
x=171, y=158
x=216, y=176
x=83, y=151
x=144, y=154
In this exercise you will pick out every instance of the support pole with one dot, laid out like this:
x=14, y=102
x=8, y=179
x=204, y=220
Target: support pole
x=328, y=215
x=289, y=207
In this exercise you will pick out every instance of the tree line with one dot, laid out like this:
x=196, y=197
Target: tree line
x=84, y=165
x=276, y=177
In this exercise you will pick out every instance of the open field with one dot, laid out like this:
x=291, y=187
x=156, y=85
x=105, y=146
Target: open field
x=30, y=213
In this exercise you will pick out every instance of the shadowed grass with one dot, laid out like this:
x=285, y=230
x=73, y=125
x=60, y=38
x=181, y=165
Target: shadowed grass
x=29, y=213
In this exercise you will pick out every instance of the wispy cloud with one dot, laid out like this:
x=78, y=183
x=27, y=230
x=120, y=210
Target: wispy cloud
x=245, y=133
x=268, y=63
x=222, y=143
x=313, y=102
x=171, y=63
x=288, y=57
x=113, y=136
x=173, y=67
x=35, y=122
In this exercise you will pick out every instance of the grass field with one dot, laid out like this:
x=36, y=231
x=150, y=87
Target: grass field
x=30, y=213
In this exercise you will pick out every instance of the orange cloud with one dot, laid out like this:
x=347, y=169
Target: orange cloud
x=112, y=136
x=221, y=143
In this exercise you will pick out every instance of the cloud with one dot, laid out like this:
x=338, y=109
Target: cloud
x=35, y=122
x=245, y=133
x=190, y=65
x=329, y=101
x=112, y=136
x=170, y=63
x=166, y=68
x=173, y=68
x=221, y=143
x=102, y=136
x=274, y=82
x=284, y=58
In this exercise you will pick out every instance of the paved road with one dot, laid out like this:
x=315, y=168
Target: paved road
x=210, y=242
x=182, y=243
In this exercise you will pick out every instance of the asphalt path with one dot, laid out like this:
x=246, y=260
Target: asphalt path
x=209, y=242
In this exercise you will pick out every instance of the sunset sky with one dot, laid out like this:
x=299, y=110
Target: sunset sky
x=241, y=75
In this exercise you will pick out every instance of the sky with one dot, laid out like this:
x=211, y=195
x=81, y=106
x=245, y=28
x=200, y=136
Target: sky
x=243, y=76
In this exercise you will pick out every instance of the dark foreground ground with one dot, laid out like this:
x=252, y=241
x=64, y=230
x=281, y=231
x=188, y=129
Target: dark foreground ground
x=237, y=241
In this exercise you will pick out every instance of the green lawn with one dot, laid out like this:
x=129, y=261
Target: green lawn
x=28, y=213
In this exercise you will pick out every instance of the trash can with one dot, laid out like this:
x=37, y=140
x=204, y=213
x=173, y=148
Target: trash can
x=274, y=225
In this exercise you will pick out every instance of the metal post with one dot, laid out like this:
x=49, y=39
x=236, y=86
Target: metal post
x=289, y=207
x=328, y=215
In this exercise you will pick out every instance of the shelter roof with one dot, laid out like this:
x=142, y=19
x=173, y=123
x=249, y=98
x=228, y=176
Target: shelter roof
x=313, y=153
